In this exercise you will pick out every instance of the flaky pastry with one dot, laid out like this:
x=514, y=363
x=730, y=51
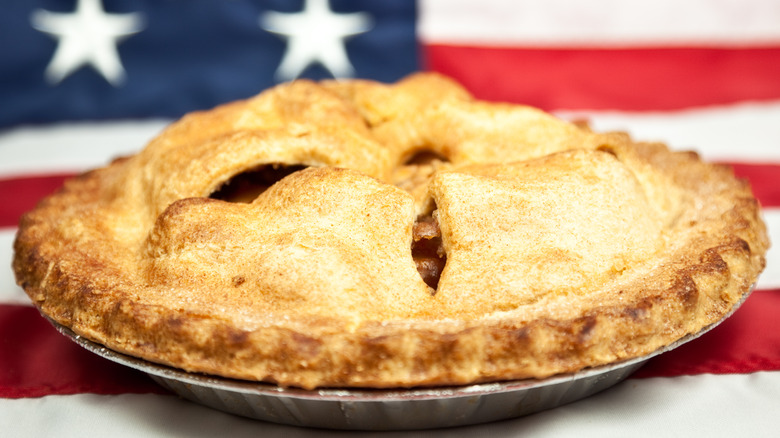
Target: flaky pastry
x=358, y=234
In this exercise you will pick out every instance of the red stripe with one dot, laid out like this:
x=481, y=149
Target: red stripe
x=746, y=342
x=626, y=79
x=36, y=360
x=18, y=195
x=764, y=179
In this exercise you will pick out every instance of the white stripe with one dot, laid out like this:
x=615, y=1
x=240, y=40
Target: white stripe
x=72, y=147
x=10, y=293
x=770, y=278
x=714, y=406
x=614, y=23
x=745, y=132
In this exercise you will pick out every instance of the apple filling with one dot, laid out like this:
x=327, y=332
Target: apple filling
x=427, y=249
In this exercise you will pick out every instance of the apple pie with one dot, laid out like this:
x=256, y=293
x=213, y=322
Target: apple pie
x=360, y=234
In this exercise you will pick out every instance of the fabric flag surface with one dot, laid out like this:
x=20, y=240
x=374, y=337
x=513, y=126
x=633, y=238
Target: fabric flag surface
x=84, y=81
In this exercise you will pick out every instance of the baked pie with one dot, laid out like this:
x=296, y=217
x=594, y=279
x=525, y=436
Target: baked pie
x=359, y=234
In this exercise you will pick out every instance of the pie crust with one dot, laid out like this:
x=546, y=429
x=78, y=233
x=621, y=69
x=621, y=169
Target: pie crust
x=272, y=239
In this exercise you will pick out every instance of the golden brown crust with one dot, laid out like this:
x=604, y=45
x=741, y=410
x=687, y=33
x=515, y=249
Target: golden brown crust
x=564, y=248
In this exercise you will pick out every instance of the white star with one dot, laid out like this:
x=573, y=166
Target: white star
x=315, y=34
x=88, y=36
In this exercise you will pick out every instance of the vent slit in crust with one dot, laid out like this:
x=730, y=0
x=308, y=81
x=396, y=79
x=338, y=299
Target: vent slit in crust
x=248, y=185
x=427, y=249
x=424, y=157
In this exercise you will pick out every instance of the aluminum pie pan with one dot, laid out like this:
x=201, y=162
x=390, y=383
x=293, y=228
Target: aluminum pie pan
x=385, y=409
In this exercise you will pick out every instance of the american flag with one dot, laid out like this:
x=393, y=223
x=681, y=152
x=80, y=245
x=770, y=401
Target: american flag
x=83, y=81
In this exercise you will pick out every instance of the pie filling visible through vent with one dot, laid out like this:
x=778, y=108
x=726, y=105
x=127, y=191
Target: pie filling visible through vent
x=358, y=234
x=427, y=250
x=247, y=186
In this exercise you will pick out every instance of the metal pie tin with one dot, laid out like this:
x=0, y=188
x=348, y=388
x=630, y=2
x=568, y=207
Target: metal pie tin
x=396, y=409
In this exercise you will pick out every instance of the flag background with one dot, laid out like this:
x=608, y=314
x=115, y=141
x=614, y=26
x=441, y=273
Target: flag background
x=698, y=75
